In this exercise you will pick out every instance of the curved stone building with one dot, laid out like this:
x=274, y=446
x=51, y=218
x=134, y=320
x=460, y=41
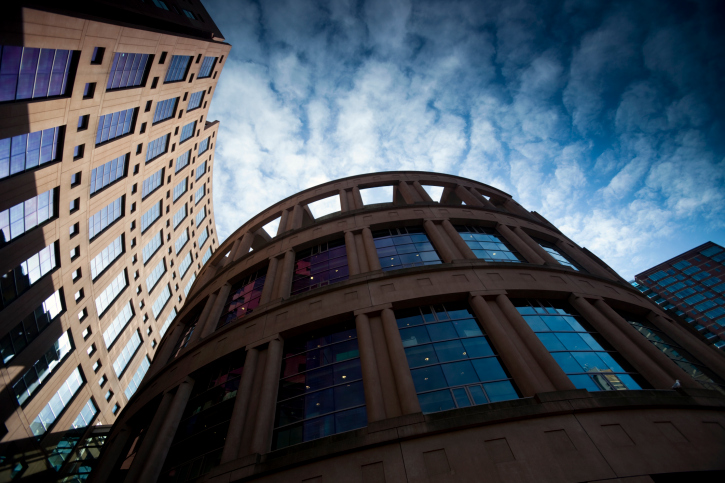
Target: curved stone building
x=461, y=340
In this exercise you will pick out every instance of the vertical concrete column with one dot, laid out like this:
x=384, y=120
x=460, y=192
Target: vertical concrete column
x=439, y=242
x=458, y=241
x=664, y=362
x=268, y=394
x=201, y=323
x=165, y=435
x=216, y=311
x=529, y=255
x=543, y=254
x=362, y=256
x=353, y=264
x=582, y=259
x=371, y=253
x=344, y=206
x=241, y=404
x=467, y=197
x=357, y=198
x=147, y=444
x=406, y=193
x=295, y=221
x=285, y=280
x=233, y=251
x=481, y=198
x=422, y=192
x=510, y=356
x=639, y=359
x=283, y=221
x=546, y=362
x=401, y=372
x=245, y=246
x=371, y=377
x=707, y=354
x=269, y=284
x=166, y=349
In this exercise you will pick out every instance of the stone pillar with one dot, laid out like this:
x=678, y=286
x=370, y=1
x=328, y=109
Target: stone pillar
x=343, y=201
x=285, y=280
x=283, y=221
x=406, y=193
x=657, y=356
x=438, y=242
x=371, y=377
x=543, y=254
x=371, y=253
x=201, y=322
x=357, y=198
x=706, y=354
x=233, y=250
x=510, y=356
x=147, y=444
x=583, y=260
x=401, y=372
x=458, y=241
x=241, y=404
x=362, y=257
x=540, y=353
x=295, y=221
x=353, y=264
x=422, y=192
x=529, y=255
x=268, y=288
x=244, y=246
x=166, y=349
x=216, y=312
x=267, y=398
x=639, y=360
x=467, y=197
x=162, y=442
x=482, y=199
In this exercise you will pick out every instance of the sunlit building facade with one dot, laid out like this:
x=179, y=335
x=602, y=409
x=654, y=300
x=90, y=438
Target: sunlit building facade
x=417, y=340
x=103, y=115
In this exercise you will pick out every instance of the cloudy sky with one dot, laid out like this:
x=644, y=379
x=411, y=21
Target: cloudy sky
x=605, y=117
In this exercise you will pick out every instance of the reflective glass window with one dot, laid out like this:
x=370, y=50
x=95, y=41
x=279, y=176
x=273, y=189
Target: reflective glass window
x=27, y=151
x=404, y=247
x=200, y=216
x=108, y=173
x=127, y=353
x=127, y=70
x=320, y=388
x=57, y=403
x=115, y=328
x=177, y=68
x=17, y=281
x=183, y=161
x=187, y=131
x=151, y=215
x=180, y=215
x=43, y=367
x=31, y=326
x=488, y=244
x=589, y=360
x=103, y=218
x=137, y=377
x=180, y=188
x=110, y=293
x=165, y=109
x=181, y=241
x=155, y=275
x=114, y=125
x=200, y=170
x=207, y=256
x=243, y=297
x=33, y=73
x=202, y=238
x=189, y=284
x=320, y=265
x=167, y=322
x=203, y=146
x=558, y=256
x=200, y=192
x=25, y=216
x=195, y=100
x=157, y=147
x=207, y=65
x=150, y=248
x=152, y=183
x=185, y=264
x=107, y=256
x=160, y=302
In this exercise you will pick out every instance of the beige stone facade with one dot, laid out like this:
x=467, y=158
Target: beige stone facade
x=561, y=424
x=69, y=175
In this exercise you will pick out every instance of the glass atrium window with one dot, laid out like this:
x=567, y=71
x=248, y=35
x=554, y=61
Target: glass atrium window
x=487, y=244
x=178, y=68
x=207, y=65
x=452, y=362
x=27, y=151
x=320, y=388
x=26, y=215
x=199, y=440
x=319, y=266
x=558, y=256
x=32, y=73
x=686, y=361
x=108, y=173
x=243, y=297
x=127, y=70
x=114, y=125
x=404, y=247
x=589, y=360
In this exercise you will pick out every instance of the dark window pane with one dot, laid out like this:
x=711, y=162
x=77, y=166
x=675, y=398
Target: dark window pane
x=489, y=369
x=461, y=397
x=428, y=378
x=477, y=347
x=500, y=391
x=442, y=331
x=458, y=373
x=436, y=401
x=421, y=355
x=414, y=336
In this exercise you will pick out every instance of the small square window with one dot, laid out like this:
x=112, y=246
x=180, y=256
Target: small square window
x=204, y=104
x=214, y=76
x=138, y=290
x=141, y=304
x=148, y=331
x=96, y=366
x=74, y=229
x=143, y=128
x=135, y=275
x=133, y=207
x=154, y=82
x=103, y=380
x=209, y=91
x=198, y=57
x=82, y=314
x=162, y=59
x=75, y=205
x=78, y=151
x=116, y=408
x=91, y=350
x=76, y=274
x=78, y=295
x=109, y=395
x=148, y=106
x=97, y=57
x=153, y=344
x=139, y=149
x=191, y=78
x=134, y=259
x=89, y=90
x=173, y=275
x=133, y=242
x=83, y=122
x=185, y=95
x=75, y=253
x=86, y=333
x=145, y=317
x=176, y=131
x=75, y=179
x=133, y=226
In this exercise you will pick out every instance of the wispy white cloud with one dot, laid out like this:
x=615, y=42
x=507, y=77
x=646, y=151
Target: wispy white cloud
x=604, y=118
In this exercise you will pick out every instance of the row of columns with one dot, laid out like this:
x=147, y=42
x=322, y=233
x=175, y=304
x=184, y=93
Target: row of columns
x=389, y=388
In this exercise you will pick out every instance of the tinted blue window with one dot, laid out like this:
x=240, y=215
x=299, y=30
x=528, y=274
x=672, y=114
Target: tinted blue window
x=114, y=125
x=127, y=70
x=27, y=151
x=187, y=131
x=404, y=247
x=206, y=67
x=488, y=244
x=165, y=110
x=157, y=147
x=107, y=173
x=177, y=68
x=195, y=100
x=203, y=146
x=27, y=73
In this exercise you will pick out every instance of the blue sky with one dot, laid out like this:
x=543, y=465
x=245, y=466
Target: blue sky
x=606, y=117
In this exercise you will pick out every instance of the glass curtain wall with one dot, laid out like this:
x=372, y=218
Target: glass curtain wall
x=243, y=297
x=319, y=266
x=404, y=247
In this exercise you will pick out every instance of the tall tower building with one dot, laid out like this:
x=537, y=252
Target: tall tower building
x=692, y=286
x=460, y=340
x=106, y=214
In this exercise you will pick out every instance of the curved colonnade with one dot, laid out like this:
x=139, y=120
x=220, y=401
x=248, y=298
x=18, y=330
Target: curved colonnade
x=500, y=276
